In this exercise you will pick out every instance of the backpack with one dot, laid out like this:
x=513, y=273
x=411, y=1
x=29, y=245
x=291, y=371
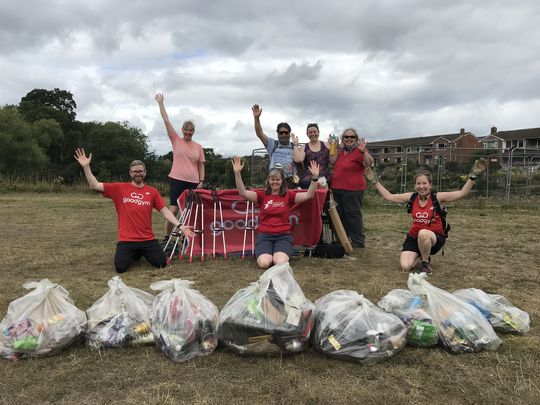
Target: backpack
x=441, y=210
x=323, y=250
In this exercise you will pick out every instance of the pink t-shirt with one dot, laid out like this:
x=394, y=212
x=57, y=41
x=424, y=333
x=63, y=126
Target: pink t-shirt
x=186, y=158
x=349, y=171
x=134, y=209
x=274, y=212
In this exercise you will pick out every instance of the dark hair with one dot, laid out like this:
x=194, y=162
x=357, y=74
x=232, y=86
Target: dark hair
x=283, y=125
x=423, y=173
x=274, y=172
x=315, y=125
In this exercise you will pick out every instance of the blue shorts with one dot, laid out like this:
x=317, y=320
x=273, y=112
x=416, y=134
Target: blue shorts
x=178, y=187
x=270, y=243
x=411, y=244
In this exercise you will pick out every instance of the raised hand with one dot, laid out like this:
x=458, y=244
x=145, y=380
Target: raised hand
x=257, y=110
x=479, y=167
x=294, y=139
x=361, y=144
x=371, y=175
x=237, y=164
x=314, y=168
x=159, y=98
x=81, y=157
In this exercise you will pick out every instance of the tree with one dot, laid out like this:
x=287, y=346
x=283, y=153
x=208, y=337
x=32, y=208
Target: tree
x=56, y=104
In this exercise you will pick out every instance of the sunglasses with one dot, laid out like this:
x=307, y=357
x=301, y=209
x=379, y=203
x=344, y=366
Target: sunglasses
x=283, y=132
x=349, y=137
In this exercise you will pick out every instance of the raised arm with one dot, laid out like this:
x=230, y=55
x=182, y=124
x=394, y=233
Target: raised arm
x=170, y=129
x=299, y=154
x=84, y=161
x=362, y=147
x=478, y=168
x=314, y=169
x=238, y=165
x=257, y=111
x=371, y=176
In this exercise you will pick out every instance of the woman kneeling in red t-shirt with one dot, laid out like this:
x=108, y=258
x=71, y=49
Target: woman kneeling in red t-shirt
x=274, y=239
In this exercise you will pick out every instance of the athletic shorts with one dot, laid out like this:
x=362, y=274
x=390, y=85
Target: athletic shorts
x=178, y=187
x=411, y=244
x=270, y=243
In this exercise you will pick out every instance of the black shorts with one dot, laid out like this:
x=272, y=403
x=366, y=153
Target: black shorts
x=178, y=187
x=411, y=244
x=270, y=243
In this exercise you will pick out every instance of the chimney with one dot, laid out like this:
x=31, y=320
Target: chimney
x=493, y=130
x=462, y=131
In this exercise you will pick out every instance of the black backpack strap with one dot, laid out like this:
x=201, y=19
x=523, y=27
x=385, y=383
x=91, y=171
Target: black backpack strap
x=411, y=201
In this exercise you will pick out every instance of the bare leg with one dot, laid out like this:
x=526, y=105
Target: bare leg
x=264, y=261
x=408, y=260
x=426, y=240
x=280, y=257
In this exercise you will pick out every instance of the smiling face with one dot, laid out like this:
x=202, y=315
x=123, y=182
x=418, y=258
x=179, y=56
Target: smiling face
x=188, y=129
x=422, y=185
x=313, y=133
x=349, y=137
x=284, y=134
x=275, y=183
x=137, y=174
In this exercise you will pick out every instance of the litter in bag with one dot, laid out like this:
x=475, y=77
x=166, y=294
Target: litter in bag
x=120, y=318
x=411, y=309
x=500, y=312
x=41, y=323
x=461, y=327
x=270, y=316
x=183, y=321
x=350, y=327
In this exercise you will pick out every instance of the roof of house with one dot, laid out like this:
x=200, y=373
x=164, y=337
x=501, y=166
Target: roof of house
x=421, y=140
x=527, y=133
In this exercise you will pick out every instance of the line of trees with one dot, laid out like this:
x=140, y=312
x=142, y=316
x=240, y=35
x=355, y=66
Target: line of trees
x=41, y=133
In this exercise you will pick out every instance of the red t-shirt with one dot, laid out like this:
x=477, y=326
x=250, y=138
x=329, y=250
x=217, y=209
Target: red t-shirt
x=425, y=218
x=274, y=211
x=134, y=209
x=349, y=171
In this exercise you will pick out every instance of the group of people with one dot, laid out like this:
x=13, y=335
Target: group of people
x=134, y=201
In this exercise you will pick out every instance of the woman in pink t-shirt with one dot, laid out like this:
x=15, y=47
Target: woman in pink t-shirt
x=426, y=235
x=274, y=239
x=187, y=170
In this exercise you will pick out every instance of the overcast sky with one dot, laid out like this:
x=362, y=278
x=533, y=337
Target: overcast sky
x=391, y=69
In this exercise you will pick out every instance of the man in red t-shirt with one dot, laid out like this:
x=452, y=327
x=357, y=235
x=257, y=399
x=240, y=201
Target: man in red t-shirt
x=134, y=203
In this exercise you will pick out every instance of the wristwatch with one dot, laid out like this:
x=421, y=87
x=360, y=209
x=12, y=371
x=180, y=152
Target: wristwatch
x=314, y=178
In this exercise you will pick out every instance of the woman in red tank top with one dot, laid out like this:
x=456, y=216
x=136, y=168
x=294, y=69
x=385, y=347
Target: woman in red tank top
x=426, y=235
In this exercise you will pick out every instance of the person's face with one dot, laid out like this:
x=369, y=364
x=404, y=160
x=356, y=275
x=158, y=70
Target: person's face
x=422, y=186
x=349, y=138
x=313, y=133
x=188, y=131
x=275, y=182
x=284, y=136
x=137, y=173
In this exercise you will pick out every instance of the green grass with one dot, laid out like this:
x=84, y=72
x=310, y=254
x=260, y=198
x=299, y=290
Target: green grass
x=69, y=238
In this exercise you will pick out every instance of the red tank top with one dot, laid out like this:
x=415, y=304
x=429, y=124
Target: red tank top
x=425, y=218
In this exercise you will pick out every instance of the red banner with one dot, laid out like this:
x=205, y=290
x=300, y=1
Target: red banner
x=305, y=219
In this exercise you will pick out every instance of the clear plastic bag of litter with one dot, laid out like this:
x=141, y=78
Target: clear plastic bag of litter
x=41, y=323
x=461, y=327
x=500, y=312
x=183, y=320
x=270, y=316
x=351, y=327
x=120, y=318
x=411, y=309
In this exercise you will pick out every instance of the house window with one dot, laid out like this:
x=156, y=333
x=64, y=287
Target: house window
x=385, y=150
x=440, y=146
x=398, y=149
x=490, y=145
x=398, y=160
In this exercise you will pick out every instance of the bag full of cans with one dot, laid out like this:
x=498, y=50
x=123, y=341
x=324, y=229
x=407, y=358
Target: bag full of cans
x=411, y=309
x=120, y=318
x=460, y=326
x=350, y=327
x=41, y=323
x=270, y=316
x=183, y=320
x=500, y=312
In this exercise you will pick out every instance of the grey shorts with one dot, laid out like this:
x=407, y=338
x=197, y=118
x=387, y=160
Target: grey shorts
x=270, y=243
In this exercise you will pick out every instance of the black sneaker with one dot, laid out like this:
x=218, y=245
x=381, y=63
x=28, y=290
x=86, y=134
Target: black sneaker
x=426, y=267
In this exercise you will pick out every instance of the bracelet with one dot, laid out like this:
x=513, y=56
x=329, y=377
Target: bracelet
x=201, y=181
x=314, y=178
x=473, y=177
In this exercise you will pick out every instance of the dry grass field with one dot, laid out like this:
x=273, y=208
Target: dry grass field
x=69, y=238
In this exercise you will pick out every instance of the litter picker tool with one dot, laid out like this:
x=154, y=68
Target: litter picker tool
x=220, y=227
x=249, y=227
